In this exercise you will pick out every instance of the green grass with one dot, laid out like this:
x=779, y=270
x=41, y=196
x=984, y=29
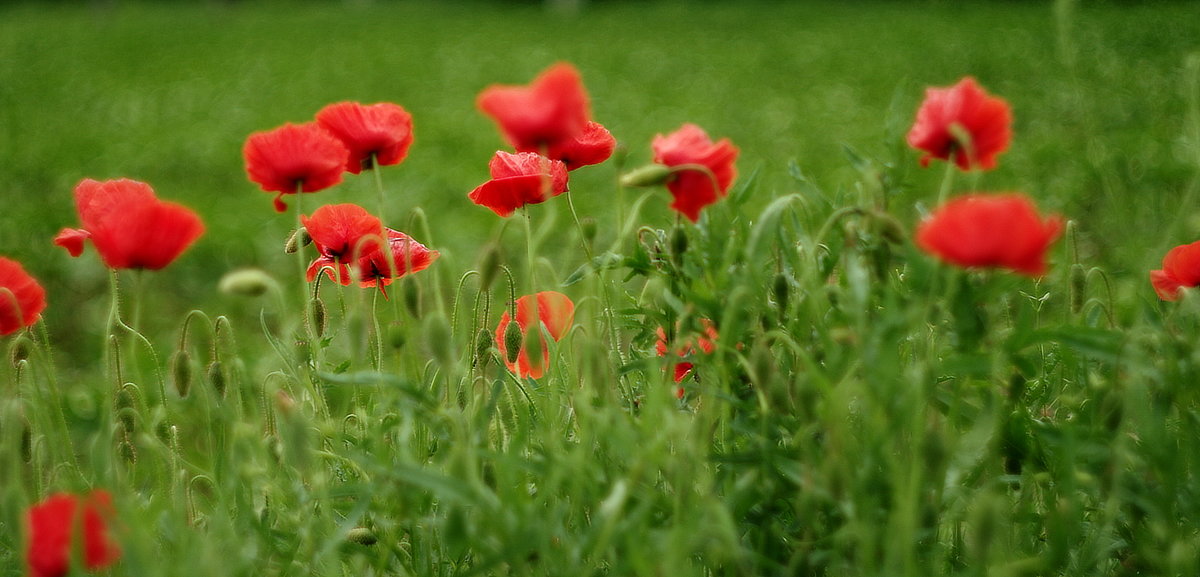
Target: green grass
x=894, y=418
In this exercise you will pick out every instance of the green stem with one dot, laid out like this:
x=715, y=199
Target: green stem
x=947, y=182
x=378, y=183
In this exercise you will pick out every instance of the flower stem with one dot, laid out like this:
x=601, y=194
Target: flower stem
x=947, y=183
x=378, y=184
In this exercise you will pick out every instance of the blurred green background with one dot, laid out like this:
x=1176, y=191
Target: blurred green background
x=166, y=93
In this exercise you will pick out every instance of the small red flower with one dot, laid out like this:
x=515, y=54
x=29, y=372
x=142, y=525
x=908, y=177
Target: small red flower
x=52, y=529
x=962, y=121
x=549, y=117
x=703, y=170
x=376, y=134
x=293, y=158
x=129, y=226
x=352, y=246
x=1180, y=269
x=556, y=312
x=990, y=231
x=520, y=179
x=707, y=343
x=22, y=299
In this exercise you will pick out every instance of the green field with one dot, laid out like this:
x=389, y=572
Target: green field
x=876, y=427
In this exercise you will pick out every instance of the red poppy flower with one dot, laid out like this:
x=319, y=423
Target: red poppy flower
x=703, y=170
x=707, y=343
x=549, y=117
x=52, y=525
x=1180, y=268
x=294, y=157
x=129, y=226
x=553, y=107
x=342, y=232
x=962, y=121
x=556, y=312
x=22, y=299
x=520, y=179
x=376, y=134
x=377, y=267
x=990, y=231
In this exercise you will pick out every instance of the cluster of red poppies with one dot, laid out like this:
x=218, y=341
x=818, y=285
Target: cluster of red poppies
x=548, y=124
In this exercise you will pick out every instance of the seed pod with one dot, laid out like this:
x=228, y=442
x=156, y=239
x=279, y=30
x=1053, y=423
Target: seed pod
x=216, y=376
x=298, y=239
x=512, y=341
x=181, y=372
x=317, y=308
x=648, y=175
x=362, y=536
x=534, y=347
x=247, y=282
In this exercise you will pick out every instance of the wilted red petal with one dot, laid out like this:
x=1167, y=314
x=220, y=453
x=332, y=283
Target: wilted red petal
x=990, y=231
x=382, y=131
x=72, y=240
x=985, y=119
x=714, y=172
x=1180, y=268
x=520, y=179
x=553, y=107
x=22, y=299
x=52, y=527
x=294, y=157
x=130, y=227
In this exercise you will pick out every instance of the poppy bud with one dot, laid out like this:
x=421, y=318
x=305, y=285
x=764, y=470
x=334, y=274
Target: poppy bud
x=362, y=536
x=781, y=287
x=216, y=376
x=648, y=175
x=534, y=346
x=512, y=341
x=19, y=351
x=181, y=372
x=762, y=363
x=127, y=451
x=127, y=417
x=483, y=344
x=396, y=336
x=299, y=238
x=489, y=268
x=317, y=307
x=129, y=396
x=412, y=299
x=26, y=443
x=588, y=228
x=679, y=244
x=247, y=282
x=438, y=339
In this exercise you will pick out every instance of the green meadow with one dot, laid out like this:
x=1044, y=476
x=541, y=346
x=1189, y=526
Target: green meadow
x=868, y=410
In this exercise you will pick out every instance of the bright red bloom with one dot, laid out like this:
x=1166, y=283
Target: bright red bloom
x=130, y=227
x=990, y=231
x=376, y=134
x=294, y=158
x=1180, y=268
x=22, y=299
x=52, y=528
x=556, y=312
x=962, y=121
x=687, y=347
x=351, y=243
x=549, y=117
x=703, y=170
x=520, y=179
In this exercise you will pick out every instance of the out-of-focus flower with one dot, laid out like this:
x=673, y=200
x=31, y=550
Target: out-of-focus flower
x=22, y=299
x=1180, y=269
x=990, y=231
x=295, y=158
x=520, y=179
x=702, y=170
x=555, y=311
x=686, y=348
x=376, y=134
x=52, y=526
x=962, y=122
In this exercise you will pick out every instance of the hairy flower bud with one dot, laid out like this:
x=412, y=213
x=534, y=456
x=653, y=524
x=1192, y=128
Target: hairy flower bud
x=246, y=282
x=512, y=341
x=181, y=372
x=299, y=238
x=216, y=376
x=317, y=308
